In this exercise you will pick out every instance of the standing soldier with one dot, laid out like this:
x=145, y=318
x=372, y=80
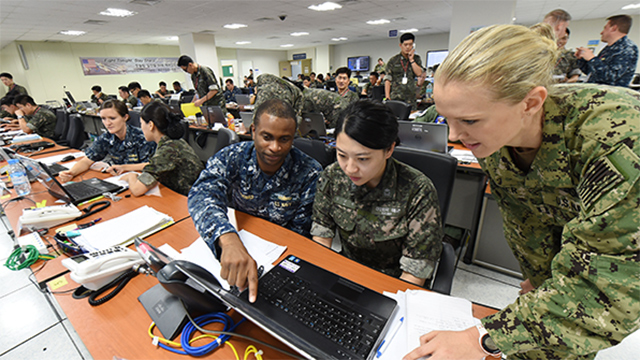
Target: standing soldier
x=401, y=72
x=205, y=82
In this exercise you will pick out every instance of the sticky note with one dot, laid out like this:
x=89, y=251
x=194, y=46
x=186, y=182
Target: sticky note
x=57, y=283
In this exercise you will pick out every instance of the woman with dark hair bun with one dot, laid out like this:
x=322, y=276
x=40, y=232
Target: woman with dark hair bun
x=386, y=212
x=175, y=164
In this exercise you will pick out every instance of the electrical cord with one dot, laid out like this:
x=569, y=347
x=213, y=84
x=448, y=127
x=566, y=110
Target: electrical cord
x=23, y=257
x=118, y=282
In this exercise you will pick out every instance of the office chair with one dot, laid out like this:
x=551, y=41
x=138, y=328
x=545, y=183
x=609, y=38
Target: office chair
x=62, y=125
x=226, y=137
x=441, y=169
x=134, y=118
x=400, y=109
x=378, y=93
x=635, y=82
x=75, y=136
x=323, y=154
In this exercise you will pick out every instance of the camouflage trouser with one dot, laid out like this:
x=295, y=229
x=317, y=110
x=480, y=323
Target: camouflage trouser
x=405, y=94
x=549, y=355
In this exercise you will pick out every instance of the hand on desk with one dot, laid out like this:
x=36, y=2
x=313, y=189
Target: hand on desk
x=65, y=176
x=455, y=345
x=238, y=267
x=116, y=169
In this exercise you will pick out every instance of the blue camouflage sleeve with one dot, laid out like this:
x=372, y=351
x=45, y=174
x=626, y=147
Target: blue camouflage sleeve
x=147, y=151
x=207, y=200
x=301, y=222
x=98, y=150
x=611, y=71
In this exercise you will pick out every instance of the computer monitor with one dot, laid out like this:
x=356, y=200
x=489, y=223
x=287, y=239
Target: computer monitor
x=358, y=63
x=70, y=97
x=435, y=57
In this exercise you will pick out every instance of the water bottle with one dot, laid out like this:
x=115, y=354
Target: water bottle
x=19, y=178
x=429, y=91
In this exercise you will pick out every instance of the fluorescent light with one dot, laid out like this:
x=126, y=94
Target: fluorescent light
x=72, y=32
x=243, y=42
x=117, y=12
x=631, y=6
x=299, y=33
x=173, y=38
x=234, y=26
x=286, y=45
x=326, y=6
x=514, y=19
x=409, y=30
x=378, y=22
x=339, y=39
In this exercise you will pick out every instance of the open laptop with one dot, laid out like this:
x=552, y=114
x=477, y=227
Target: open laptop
x=54, y=169
x=74, y=193
x=213, y=114
x=424, y=136
x=316, y=312
x=175, y=108
x=242, y=99
x=247, y=119
x=312, y=122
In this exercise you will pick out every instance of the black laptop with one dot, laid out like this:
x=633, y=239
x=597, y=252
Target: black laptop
x=75, y=192
x=316, y=312
x=242, y=99
x=312, y=123
x=213, y=114
x=424, y=136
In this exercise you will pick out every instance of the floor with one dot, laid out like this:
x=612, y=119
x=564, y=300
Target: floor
x=33, y=327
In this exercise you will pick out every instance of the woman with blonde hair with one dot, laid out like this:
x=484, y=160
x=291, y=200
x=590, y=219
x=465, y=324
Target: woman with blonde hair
x=563, y=163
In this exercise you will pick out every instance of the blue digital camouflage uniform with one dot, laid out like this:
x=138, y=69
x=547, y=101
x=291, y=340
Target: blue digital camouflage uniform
x=397, y=68
x=233, y=179
x=572, y=222
x=204, y=80
x=567, y=64
x=174, y=164
x=392, y=228
x=614, y=65
x=42, y=122
x=329, y=103
x=133, y=149
x=230, y=96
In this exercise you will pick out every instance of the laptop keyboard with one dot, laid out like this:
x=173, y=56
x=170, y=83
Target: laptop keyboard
x=353, y=331
x=80, y=189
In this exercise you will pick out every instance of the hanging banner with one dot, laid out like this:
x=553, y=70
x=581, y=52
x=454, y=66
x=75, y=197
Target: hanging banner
x=128, y=65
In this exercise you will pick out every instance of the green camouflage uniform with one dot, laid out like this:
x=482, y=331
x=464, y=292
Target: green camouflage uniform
x=430, y=116
x=270, y=87
x=42, y=122
x=351, y=95
x=102, y=97
x=395, y=72
x=567, y=64
x=5, y=113
x=204, y=81
x=573, y=223
x=175, y=165
x=329, y=103
x=16, y=90
x=316, y=84
x=379, y=68
x=132, y=101
x=392, y=228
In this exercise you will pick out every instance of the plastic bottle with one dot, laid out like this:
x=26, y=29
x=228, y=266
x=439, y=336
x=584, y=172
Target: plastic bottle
x=231, y=125
x=19, y=178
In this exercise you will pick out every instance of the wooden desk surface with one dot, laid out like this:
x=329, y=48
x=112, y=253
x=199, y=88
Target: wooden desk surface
x=119, y=327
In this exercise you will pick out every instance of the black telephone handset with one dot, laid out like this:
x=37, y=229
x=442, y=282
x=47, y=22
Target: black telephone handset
x=196, y=299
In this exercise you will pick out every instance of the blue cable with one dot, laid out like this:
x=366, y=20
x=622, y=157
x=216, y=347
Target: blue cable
x=203, y=320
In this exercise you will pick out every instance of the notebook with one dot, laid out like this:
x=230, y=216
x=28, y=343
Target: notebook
x=312, y=122
x=318, y=313
x=242, y=99
x=424, y=136
x=74, y=193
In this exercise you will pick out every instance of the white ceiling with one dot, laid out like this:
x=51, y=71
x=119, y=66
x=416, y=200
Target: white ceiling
x=41, y=20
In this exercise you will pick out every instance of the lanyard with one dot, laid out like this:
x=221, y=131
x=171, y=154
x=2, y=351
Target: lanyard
x=403, y=67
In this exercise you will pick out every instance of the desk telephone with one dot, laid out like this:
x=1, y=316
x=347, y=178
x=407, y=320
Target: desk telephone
x=98, y=268
x=49, y=216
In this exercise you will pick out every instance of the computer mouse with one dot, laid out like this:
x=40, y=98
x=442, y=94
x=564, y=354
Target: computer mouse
x=196, y=300
x=68, y=158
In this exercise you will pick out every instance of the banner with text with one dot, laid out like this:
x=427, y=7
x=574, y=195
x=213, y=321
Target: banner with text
x=128, y=65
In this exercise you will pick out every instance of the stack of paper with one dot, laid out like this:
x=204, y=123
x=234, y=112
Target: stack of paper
x=122, y=230
x=424, y=311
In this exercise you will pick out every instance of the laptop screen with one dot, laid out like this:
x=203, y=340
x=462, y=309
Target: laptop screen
x=39, y=172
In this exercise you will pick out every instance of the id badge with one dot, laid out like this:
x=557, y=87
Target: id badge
x=404, y=80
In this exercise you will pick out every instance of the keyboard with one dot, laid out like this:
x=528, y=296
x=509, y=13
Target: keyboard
x=80, y=189
x=352, y=331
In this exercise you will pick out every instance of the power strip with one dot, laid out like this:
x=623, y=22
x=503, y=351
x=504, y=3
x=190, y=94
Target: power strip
x=35, y=240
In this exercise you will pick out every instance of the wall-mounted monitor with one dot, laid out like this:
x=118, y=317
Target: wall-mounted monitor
x=435, y=57
x=358, y=63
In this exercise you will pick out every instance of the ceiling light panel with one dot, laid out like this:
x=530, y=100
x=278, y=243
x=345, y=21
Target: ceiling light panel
x=117, y=12
x=326, y=6
x=234, y=26
x=72, y=32
x=378, y=22
x=631, y=6
x=299, y=33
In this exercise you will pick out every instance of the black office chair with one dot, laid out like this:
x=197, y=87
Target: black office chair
x=400, y=109
x=441, y=169
x=62, y=125
x=378, y=93
x=134, y=118
x=226, y=137
x=76, y=135
x=323, y=154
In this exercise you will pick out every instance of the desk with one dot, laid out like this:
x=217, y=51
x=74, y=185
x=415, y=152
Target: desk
x=119, y=327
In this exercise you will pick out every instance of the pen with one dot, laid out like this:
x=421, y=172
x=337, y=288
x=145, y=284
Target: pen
x=91, y=200
x=385, y=343
x=89, y=224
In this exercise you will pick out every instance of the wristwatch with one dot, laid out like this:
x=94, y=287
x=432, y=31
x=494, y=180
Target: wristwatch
x=20, y=117
x=487, y=344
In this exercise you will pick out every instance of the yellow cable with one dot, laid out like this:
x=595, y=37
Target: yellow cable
x=252, y=350
x=178, y=345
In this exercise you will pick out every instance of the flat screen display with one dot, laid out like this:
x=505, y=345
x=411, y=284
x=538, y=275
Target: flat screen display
x=358, y=63
x=436, y=57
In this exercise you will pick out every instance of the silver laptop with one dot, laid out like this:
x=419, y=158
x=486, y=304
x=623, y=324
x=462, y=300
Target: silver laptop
x=243, y=99
x=247, y=119
x=312, y=122
x=424, y=136
x=319, y=314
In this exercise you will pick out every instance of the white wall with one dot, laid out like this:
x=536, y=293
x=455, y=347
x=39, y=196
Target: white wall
x=264, y=61
x=386, y=48
x=53, y=65
x=585, y=30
